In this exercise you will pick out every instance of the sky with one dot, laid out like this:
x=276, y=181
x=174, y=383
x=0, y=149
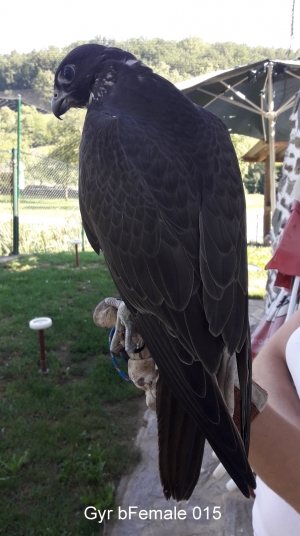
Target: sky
x=27, y=25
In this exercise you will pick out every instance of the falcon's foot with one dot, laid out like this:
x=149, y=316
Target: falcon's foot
x=124, y=328
x=141, y=367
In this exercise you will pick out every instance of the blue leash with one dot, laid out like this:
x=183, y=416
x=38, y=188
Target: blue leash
x=113, y=356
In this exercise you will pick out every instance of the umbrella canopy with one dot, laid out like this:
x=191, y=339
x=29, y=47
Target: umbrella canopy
x=253, y=100
x=239, y=96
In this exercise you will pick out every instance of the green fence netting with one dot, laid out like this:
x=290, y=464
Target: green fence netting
x=49, y=214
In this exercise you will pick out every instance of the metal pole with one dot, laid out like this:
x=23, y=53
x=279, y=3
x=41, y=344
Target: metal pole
x=42, y=351
x=16, y=182
x=15, y=250
x=267, y=200
x=272, y=122
x=82, y=237
x=19, y=144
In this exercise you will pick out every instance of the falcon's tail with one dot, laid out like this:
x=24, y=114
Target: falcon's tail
x=189, y=399
x=180, y=444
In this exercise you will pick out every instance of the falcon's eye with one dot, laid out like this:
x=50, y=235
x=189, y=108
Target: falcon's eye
x=67, y=73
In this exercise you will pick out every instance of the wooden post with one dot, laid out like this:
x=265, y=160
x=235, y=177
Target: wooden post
x=42, y=351
x=76, y=255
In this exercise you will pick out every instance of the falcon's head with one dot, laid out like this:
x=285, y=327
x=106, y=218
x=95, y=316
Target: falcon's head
x=76, y=75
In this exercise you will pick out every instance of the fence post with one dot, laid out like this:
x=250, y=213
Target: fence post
x=19, y=144
x=82, y=238
x=15, y=250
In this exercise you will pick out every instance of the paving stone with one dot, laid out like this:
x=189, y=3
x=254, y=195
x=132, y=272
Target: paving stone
x=8, y=258
x=238, y=515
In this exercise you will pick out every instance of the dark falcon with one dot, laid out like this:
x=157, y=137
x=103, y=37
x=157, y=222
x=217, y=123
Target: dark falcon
x=161, y=195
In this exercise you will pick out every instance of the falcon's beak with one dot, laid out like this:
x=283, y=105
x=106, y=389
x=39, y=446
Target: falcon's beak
x=60, y=103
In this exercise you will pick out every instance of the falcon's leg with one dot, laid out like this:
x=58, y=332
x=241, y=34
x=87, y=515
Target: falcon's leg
x=125, y=327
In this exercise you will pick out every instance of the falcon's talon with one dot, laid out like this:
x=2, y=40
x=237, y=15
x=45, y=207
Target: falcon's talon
x=130, y=348
x=114, y=302
x=124, y=328
x=140, y=349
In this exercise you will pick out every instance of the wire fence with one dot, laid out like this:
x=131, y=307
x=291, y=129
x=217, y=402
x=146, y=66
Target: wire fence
x=6, y=207
x=49, y=214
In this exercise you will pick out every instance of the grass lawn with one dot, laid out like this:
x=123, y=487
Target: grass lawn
x=37, y=206
x=65, y=438
x=47, y=225
x=57, y=207
x=257, y=275
x=254, y=201
x=53, y=207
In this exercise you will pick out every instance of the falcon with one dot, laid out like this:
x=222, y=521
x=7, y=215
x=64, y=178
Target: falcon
x=161, y=195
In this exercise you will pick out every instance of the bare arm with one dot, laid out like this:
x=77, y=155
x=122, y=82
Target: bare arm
x=270, y=372
x=275, y=433
x=275, y=453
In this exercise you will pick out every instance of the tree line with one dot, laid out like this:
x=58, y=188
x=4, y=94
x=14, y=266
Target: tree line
x=175, y=60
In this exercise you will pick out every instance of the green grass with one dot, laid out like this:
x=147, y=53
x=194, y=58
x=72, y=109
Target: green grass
x=45, y=225
x=54, y=223
x=257, y=276
x=64, y=437
x=40, y=237
x=37, y=206
x=5, y=204
x=254, y=201
x=53, y=207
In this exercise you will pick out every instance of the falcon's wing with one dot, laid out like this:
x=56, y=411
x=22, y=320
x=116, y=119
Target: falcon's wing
x=181, y=211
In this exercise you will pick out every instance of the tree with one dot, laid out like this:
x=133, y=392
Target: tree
x=242, y=144
x=34, y=128
x=184, y=59
x=43, y=84
x=67, y=136
x=255, y=178
x=174, y=60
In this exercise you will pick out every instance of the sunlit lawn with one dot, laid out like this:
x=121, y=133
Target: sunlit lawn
x=39, y=205
x=64, y=443
x=254, y=201
x=257, y=275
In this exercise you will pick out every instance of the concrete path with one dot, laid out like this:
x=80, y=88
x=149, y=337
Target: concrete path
x=8, y=258
x=222, y=513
